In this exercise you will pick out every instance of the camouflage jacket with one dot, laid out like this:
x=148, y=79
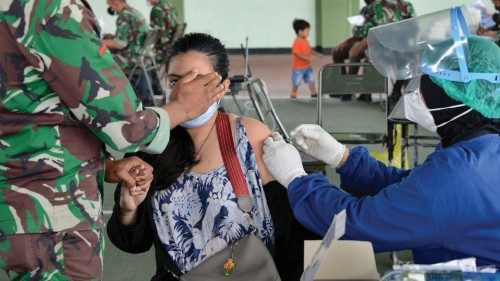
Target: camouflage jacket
x=163, y=18
x=381, y=12
x=131, y=30
x=62, y=98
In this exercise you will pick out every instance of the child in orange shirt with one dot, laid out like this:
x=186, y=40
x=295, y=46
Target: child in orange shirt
x=301, y=58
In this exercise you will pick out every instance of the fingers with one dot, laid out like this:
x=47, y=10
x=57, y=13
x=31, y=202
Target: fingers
x=310, y=132
x=140, y=179
x=214, y=92
x=301, y=142
x=297, y=129
x=189, y=77
x=277, y=137
x=303, y=132
x=268, y=144
x=268, y=141
x=127, y=178
x=137, y=191
x=213, y=79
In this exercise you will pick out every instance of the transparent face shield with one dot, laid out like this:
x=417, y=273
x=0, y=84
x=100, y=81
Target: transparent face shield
x=410, y=48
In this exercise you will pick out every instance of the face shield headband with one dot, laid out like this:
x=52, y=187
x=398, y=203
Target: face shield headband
x=459, y=31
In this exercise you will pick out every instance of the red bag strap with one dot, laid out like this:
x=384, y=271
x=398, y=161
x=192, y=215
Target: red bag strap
x=231, y=161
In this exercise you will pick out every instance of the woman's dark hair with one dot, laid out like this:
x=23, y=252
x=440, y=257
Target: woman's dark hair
x=204, y=44
x=179, y=155
x=464, y=127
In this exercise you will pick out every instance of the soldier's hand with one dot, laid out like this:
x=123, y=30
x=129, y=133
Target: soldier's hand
x=118, y=171
x=192, y=95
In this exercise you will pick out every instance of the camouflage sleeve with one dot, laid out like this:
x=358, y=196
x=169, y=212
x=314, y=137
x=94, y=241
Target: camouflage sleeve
x=411, y=10
x=63, y=44
x=122, y=31
x=156, y=18
x=362, y=31
x=172, y=20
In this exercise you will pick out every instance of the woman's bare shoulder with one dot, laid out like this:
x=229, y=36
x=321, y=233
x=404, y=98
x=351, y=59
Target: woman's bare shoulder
x=255, y=129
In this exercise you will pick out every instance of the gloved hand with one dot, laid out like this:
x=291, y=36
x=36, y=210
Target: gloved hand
x=315, y=141
x=282, y=160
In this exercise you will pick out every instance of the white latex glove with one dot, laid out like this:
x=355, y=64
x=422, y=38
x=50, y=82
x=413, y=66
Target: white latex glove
x=282, y=160
x=315, y=141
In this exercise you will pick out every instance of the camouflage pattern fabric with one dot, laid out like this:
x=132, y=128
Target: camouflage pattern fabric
x=131, y=31
x=62, y=97
x=53, y=256
x=163, y=18
x=381, y=12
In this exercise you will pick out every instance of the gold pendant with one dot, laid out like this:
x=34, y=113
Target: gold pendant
x=229, y=266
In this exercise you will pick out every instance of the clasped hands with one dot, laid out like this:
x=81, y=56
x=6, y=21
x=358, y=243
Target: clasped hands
x=135, y=175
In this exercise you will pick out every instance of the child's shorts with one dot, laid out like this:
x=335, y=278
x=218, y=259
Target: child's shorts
x=300, y=74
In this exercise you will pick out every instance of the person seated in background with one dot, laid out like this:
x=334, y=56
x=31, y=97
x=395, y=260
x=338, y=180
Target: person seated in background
x=340, y=53
x=163, y=19
x=131, y=31
x=190, y=212
x=376, y=13
x=492, y=31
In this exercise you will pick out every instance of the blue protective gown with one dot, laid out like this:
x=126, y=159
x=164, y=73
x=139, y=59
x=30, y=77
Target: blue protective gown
x=446, y=208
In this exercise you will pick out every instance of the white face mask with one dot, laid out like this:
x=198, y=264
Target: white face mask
x=417, y=111
x=202, y=119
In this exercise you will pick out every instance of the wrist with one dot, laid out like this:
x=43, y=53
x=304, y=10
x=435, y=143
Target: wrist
x=109, y=163
x=176, y=113
x=345, y=155
x=337, y=155
x=128, y=217
x=294, y=175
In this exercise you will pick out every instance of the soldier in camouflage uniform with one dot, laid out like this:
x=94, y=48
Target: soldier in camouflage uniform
x=131, y=30
x=62, y=98
x=127, y=44
x=380, y=12
x=163, y=18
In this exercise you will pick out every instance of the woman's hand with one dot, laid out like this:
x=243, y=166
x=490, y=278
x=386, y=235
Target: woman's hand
x=132, y=196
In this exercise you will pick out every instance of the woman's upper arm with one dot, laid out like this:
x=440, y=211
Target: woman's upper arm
x=257, y=132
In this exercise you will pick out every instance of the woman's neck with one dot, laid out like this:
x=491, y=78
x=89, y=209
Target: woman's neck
x=207, y=151
x=201, y=133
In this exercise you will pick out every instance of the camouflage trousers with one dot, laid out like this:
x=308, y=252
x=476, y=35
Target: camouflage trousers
x=72, y=255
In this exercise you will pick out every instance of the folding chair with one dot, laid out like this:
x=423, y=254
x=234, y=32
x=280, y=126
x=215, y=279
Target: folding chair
x=230, y=103
x=257, y=91
x=145, y=64
x=333, y=81
x=259, y=96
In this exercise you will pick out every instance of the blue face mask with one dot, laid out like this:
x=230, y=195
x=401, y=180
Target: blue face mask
x=202, y=119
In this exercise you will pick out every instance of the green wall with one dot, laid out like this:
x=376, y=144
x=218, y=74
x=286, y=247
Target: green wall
x=331, y=21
